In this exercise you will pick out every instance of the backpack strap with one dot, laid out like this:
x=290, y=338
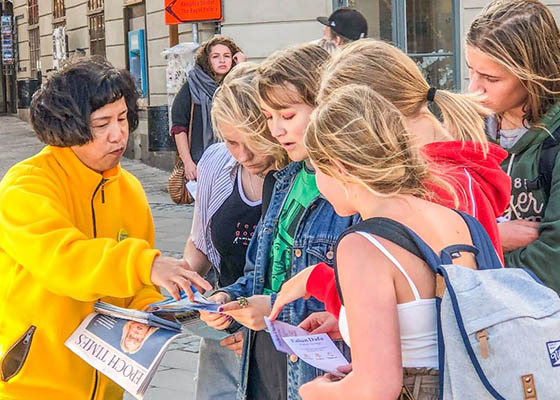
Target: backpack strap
x=547, y=159
x=268, y=188
x=483, y=249
x=395, y=232
x=487, y=258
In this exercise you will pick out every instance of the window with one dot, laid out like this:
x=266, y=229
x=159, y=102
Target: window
x=35, y=50
x=96, y=22
x=34, y=37
x=427, y=30
x=430, y=40
x=33, y=11
x=59, y=11
x=59, y=37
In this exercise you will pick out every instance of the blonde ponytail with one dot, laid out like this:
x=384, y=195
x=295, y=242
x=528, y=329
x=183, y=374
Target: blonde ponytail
x=463, y=116
x=364, y=133
x=391, y=73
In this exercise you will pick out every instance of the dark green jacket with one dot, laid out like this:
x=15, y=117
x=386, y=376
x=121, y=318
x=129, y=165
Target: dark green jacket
x=522, y=165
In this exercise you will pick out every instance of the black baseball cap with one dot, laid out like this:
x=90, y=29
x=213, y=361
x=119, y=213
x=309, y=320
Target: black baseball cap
x=346, y=22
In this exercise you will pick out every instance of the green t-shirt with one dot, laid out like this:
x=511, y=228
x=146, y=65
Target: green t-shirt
x=302, y=193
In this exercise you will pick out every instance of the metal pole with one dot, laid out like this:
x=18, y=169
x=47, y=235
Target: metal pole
x=195, y=32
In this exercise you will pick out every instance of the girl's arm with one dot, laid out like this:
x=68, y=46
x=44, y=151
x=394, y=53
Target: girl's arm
x=367, y=282
x=198, y=261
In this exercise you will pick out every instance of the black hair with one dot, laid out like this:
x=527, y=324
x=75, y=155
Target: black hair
x=60, y=110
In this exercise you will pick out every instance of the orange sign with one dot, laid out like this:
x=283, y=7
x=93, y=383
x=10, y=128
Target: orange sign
x=179, y=11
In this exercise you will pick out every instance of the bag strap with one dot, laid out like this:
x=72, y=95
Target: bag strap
x=189, y=134
x=547, y=160
x=483, y=249
x=268, y=188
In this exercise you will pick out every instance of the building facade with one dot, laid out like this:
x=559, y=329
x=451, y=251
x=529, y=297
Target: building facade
x=132, y=34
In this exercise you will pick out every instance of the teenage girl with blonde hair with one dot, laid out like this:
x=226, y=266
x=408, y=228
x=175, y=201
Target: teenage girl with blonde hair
x=366, y=162
x=513, y=55
x=227, y=210
x=300, y=228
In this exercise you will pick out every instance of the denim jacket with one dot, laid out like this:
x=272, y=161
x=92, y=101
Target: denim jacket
x=314, y=241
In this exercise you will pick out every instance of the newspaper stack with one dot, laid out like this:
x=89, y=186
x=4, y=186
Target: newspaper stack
x=127, y=345
x=126, y=351
x=148, y=318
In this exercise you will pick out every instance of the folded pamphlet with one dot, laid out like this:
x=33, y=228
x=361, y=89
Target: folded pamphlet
x=317, y=350
x=171, y=305
x=279, y=330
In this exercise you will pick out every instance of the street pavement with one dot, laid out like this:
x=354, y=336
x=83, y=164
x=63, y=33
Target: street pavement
x=174, y=379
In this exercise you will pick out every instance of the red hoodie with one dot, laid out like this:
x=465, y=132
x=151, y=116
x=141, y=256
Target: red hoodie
x=482, y=187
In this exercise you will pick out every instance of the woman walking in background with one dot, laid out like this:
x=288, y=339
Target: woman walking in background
x=191, y=108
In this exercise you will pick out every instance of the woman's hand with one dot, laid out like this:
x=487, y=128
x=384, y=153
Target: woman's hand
x=214, y=320
x=175, y=275
x=190, y=170
x=239, y=57
x=234, y=343
x=321, y=322
x=518, y=233
x=252, y=315
x=293, y=289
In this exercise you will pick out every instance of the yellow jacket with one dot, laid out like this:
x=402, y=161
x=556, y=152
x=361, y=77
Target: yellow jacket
x=63, y=245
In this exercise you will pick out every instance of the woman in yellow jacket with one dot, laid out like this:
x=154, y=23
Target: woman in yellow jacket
x=74, y=228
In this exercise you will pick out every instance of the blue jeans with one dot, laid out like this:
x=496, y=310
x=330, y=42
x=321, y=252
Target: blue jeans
x=217, y=377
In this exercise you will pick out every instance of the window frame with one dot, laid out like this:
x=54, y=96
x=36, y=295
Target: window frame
x=34, y=50
x=400, y=37
x=59, y=10
x=96, y=27
x=32, y=12
x=399, y=33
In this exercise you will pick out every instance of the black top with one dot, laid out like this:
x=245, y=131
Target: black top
x=180, y=117
x=232, y=228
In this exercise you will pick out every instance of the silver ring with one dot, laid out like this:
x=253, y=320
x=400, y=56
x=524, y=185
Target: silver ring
x=243, y=302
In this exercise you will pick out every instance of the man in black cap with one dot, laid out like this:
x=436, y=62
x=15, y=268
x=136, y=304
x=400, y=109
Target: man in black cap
x=344, y=25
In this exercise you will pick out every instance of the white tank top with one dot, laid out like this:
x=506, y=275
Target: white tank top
x=417, y=322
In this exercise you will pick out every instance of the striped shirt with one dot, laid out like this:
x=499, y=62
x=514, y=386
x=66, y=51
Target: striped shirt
x=216, y=173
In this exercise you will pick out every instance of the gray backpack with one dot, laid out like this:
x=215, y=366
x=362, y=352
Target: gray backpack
x=498, y=328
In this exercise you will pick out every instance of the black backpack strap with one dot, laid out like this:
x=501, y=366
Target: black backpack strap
x=483, y=249
x=268, y=188
x=385, y=228
x=547, y=160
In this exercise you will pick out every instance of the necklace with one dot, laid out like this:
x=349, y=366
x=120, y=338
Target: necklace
x=249, y=177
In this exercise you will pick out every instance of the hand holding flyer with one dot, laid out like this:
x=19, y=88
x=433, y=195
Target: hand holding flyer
x=316, y=350
x=279, y=330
